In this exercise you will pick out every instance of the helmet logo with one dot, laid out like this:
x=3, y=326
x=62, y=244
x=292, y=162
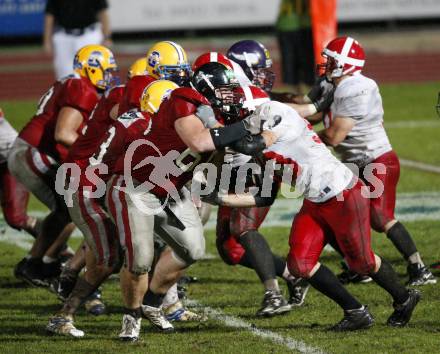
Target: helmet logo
x=94, y=59
x=153, y=59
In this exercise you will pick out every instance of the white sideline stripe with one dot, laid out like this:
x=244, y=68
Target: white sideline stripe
x=413, y=124
x=235, y=322
x=420, y=166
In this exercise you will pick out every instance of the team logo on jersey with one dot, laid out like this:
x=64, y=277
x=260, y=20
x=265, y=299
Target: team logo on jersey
x=153, y=59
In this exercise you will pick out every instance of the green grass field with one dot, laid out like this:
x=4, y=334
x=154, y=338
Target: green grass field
x=414, y=129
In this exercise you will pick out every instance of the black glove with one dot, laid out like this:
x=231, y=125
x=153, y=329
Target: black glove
x=249, y=145
x=324, y=102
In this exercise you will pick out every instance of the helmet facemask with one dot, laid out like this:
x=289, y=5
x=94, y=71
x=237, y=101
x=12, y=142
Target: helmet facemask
x=180, y=74
x=263, y=78
x=228, y=101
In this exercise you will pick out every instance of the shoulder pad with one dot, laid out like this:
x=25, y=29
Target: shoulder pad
x=190, y=95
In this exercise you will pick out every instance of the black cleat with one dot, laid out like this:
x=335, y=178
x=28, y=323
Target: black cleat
x=420, y=275
x=33, y=273
x=273, y=304
x=347, y=276
x=297, y=291
x=402, y=313
x=354, y=320
x=62, y=287
x=18, y=269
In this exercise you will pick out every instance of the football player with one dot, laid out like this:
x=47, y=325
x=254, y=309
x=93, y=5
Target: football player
x=334, y=210
x=44, y=142
x=14, y=196
x=152, y=196
x=238, y=239
x=354, y=127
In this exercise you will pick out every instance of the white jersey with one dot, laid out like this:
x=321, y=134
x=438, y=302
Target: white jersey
x=7, y=138
x=358, y=97
x=320, y=176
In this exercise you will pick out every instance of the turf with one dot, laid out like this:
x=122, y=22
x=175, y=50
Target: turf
x=235, y=291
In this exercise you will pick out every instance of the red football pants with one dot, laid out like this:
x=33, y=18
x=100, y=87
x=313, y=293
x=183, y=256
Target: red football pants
x=382, y=207
x=13, y=198
x=345, y=222
x=231, y=224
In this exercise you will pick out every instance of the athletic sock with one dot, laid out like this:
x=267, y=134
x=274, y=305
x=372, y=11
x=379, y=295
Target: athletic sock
x=153, y=299
x=136, y=313
x=402, y=240
x=78, y=295
x=387, y=279
x=258, y=254
x=326, y=282
x=280, y=265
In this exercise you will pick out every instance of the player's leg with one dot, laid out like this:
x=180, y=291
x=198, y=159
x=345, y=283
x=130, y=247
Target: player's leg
x=135, y=229
x=307, y=240
x=349, y=221
x=180, y=227
x=64, y=51
x=383, y=220
x=14, y=201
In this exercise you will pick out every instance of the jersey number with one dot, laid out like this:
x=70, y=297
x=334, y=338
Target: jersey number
x=97, y=159
x=43, y=101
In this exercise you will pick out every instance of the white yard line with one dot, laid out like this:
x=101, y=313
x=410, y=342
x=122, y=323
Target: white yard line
x=413, y=124
x=235, y=322
x=420, y=166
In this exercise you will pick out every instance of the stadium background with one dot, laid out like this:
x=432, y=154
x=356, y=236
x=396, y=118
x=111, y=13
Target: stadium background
x=402, y=42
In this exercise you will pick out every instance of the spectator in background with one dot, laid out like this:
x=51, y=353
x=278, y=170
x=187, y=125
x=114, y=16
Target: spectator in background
x=296, y=43
x=72, y=24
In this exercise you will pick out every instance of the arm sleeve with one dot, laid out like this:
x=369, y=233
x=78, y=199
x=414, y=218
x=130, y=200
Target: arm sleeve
x=79, y=96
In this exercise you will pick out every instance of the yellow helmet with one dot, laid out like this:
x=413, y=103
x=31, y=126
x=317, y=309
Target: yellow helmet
x=155, y=93
x=167, y=60
x=96, y=63
x=138, y=68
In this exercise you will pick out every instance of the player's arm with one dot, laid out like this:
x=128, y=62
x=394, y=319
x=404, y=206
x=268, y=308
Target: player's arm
x=114, y=112
x=49, y=21
x=200, y=139
x=68, y=121
x=337, y=131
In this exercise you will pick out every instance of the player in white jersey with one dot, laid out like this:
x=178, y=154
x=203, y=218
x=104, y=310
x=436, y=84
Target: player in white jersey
x=354, y=127
x=334, y=211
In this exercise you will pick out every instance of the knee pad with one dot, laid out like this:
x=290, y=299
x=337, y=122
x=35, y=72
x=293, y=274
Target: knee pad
x=230, y=250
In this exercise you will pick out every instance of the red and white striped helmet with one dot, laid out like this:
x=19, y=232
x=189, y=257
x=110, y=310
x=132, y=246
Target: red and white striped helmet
x=209, y=58
x=344, y=56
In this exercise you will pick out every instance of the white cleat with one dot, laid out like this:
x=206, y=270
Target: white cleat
x=157, y=318
x=131, y=328
x=177, y=312
x=63, y=325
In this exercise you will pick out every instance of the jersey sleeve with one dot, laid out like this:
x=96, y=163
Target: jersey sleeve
x=79, y=96
x=185, y=102
x=352, y=101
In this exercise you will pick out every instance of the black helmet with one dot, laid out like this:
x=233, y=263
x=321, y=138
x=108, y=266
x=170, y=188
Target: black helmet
x=218, y=84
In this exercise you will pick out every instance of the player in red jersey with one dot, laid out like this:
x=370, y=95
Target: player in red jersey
x=87, y=210
x=159, y=167
x=44, y=142
x=13, y=195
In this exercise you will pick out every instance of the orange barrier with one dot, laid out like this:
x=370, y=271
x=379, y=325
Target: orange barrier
x=324, y=25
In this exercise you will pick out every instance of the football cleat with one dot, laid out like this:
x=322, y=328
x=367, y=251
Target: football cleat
x=177, y=312
x=36, y=273
x=402, y=313
x=157, y=318
x=18, y=269
x=298, y=289
x=94, y=304
x=62, y=287
x=63, y=324
x=354, y=320
x=273, y=304
x=347, y=276
x=130, y=328
x=420, y=275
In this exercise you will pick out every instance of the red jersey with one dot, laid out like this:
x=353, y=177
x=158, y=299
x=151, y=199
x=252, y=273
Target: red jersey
x=133, y=92
x=73, y=92
x=163, y=136
x=93, y=133
x=126, y=129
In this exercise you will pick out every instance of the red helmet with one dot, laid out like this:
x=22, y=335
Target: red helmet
x=209, y=58
x=344, y=56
